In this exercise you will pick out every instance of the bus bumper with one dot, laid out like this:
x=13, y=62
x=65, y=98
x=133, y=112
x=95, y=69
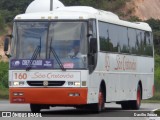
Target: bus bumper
x=54, y=96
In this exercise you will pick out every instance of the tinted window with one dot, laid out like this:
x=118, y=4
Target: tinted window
x=133, y=44
x=108, y=37
x=105, y=42
x=123, y=39
x=115, y=38
x=113, y=32
x=149, y=43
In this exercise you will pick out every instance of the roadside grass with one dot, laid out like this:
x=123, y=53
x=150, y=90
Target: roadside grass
x=150, y=101
x=156, y=96
x=4, y=93
x=157, y=112
x=154, y=99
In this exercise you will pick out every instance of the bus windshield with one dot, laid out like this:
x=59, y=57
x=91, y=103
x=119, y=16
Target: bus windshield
x=58, y=42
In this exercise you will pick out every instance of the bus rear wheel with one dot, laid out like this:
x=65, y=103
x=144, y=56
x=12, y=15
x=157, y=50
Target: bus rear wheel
x=137, y=103
x=35, y=108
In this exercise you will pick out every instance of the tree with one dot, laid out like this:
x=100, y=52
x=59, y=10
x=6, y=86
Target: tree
x=2, y=24
x=155, y=25
x=10, y=8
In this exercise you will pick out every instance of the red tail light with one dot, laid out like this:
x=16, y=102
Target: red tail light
x=153, y=90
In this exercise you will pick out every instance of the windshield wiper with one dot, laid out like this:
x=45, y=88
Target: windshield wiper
x=56, y=57
x=34, y=57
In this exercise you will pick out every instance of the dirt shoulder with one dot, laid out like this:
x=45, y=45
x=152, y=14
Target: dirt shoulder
x=145, y=9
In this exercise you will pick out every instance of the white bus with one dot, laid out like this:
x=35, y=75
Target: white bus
x=79, y=56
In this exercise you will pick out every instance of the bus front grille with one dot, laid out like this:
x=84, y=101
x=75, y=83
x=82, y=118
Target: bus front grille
x=49, y=83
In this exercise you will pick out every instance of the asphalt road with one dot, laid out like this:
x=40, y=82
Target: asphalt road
x=112, y=112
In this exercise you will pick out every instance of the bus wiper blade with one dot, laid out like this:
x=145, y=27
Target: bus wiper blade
x=57, y=58
x=34, y=57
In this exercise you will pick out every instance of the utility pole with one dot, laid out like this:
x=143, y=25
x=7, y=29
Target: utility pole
x=51, y=5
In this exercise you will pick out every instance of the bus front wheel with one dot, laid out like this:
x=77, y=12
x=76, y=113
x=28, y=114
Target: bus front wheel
x=99, y=107
x=35, y=108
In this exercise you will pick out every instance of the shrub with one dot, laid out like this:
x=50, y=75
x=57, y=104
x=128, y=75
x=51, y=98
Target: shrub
x=157, y=73
x=3, y=75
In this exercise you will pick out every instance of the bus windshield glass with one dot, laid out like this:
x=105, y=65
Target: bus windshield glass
x=59, y=43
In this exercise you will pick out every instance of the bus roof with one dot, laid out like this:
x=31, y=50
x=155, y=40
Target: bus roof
x=82, y=12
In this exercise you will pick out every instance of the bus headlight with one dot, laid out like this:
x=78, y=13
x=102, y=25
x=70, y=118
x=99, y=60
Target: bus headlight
x=76, y=84
x=18, y=83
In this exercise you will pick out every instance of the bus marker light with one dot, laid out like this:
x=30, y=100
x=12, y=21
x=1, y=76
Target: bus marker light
x=42, y=17
x=56, y=17
x=153, y=90
x=49, y=17
x=80, y=17
x=18, y=17
x=83, y=83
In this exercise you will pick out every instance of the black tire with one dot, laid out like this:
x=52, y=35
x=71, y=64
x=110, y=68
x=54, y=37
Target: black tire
x=126, y=105
x=137, y=103
x=99, y=107
x=35, y=108
x=81, y=107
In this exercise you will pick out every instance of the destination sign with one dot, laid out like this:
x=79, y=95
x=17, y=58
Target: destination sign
x=34, y=64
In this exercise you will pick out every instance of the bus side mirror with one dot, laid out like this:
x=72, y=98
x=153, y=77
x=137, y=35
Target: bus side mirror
x=6, y=44
x=93, y=45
